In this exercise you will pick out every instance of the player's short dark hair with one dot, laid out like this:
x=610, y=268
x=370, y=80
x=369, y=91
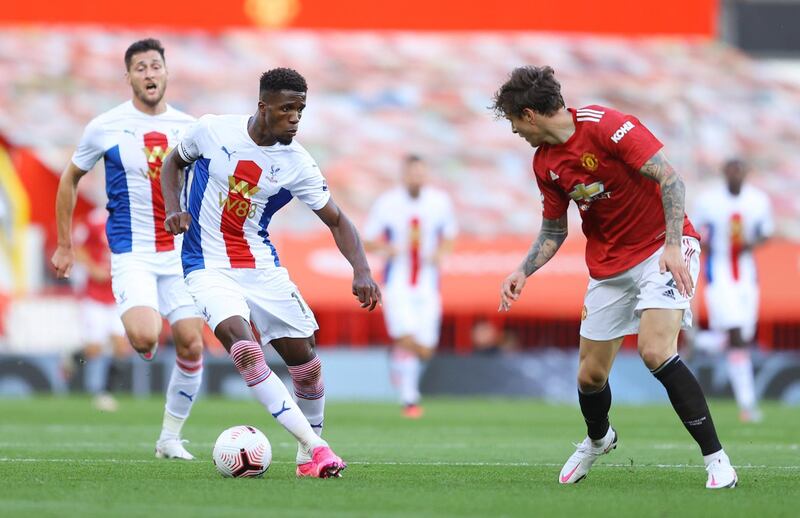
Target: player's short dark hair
x=734, y=163
x=279, y=79
x=411, y=158
x=142, y=46
x=529, y=87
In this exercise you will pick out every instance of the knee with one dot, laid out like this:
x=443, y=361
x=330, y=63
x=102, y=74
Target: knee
x=143, y=340
x=653, y=356
x=591, y=379
x=191, y=349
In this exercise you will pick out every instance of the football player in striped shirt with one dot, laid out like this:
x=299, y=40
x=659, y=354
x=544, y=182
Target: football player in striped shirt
x=133, y=139
x=246, y=168
x=413, y=227
x=641, y=250
x=735, y=219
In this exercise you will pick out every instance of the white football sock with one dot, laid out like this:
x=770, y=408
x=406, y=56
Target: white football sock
x=406, y=369
x=182, y=391
x=309, y=394
x=314, y=412
x=740, y=371
x=272, y=393
x=309, y=391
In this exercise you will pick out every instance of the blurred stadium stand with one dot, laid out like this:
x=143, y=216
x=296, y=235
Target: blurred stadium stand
x=377, y=94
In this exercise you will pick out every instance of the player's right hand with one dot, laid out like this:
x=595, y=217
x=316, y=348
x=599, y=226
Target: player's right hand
x=62, y=260
x=366, y=290
x=511, y=289
x=177, y=222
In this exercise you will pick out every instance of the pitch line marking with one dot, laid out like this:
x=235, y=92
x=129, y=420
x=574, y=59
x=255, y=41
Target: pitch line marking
x=401, y=463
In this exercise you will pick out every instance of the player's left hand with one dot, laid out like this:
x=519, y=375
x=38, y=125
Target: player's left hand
x=672, y=261
x=511, y=289
x=177, y=222
x=367, y=290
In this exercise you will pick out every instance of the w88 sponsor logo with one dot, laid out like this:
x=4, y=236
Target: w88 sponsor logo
x=242, y=186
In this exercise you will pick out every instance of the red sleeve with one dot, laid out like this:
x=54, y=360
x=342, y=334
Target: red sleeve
x=554, y=200
x=625, y=137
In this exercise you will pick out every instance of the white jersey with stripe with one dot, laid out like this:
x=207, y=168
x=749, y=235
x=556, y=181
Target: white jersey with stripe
x=133, y=145
x=415, y=227
x=728, y=222
x=237, y=188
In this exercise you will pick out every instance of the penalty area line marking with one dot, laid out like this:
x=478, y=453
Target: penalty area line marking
x=401, y=463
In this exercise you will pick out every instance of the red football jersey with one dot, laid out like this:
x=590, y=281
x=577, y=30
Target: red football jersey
x=598, y=168
x=91, y=235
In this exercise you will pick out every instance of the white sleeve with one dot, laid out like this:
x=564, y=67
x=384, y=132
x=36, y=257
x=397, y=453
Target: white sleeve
x=311, y=187
x=189, y=147
x=375, y=224
x=449, y=223
x=90, y=149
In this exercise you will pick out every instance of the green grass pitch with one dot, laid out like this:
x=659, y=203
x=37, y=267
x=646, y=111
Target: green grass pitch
x=475, y=457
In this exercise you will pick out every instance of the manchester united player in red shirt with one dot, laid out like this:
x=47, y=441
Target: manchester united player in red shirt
x=641, y=250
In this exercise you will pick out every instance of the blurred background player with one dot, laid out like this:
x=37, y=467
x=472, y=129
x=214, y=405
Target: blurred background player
x=641, y=250
x=734, y=218
x=412, y=226
x=246, y=169
x=100, y=321
x=133, y=139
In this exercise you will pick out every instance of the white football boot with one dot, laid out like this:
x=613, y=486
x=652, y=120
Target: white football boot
x=172, y=449
x=580, y=462
x=721, y=474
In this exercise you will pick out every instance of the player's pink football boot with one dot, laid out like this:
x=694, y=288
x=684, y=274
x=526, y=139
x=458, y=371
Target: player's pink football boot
x=307, y=469
x=412, y=411
x=324, y=464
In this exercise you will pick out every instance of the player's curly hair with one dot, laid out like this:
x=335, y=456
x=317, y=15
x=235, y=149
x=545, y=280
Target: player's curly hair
x=282, y=79
x=529, y=87
x=142, y=46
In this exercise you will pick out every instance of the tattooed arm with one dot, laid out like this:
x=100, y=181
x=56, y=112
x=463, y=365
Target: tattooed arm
x=673, y=193
x=552, y=235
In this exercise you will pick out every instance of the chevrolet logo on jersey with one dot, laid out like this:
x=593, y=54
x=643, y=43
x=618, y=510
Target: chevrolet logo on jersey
x=242, y=187
x=583, y=192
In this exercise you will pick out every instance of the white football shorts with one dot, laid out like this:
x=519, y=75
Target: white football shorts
x=613, y=306
x=100, y=322
x=152, y=279
x=415, y=312
x=733, y=305
x=265, y=297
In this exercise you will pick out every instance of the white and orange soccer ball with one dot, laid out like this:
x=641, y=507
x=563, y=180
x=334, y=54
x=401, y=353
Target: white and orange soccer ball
x=242, y=451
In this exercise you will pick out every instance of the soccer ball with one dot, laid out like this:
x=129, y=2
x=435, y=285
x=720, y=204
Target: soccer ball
x=242, y=451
